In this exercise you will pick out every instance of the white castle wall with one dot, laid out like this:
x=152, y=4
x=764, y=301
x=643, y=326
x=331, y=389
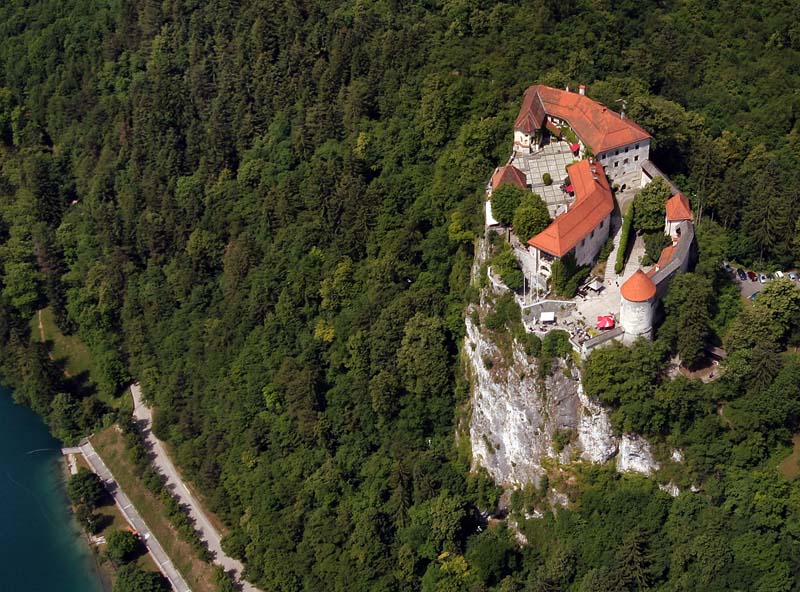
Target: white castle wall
x=636, y=318
x=588, y=248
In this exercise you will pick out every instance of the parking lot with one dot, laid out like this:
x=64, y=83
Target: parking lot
x=749, y=287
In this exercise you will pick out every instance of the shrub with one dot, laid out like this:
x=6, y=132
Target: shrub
x=624, y=238
x=121, y=545
x=85, y=488
x=531, y=217
x=547, y=179
x=505, y=310
x=556, y=343
x=506, y=265
x=532, y=344
x=561, y=438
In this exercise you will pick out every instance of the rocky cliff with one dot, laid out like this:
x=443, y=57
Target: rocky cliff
x=521, y=423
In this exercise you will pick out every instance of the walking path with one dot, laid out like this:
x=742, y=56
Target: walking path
x=162, y=462
x=132, y=516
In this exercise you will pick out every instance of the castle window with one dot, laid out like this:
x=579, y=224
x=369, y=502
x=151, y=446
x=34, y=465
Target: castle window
x=626, y=149
x=616, y=164
x=592, y=235
x=616, y=152
x=635, y=158
x=637, y=146
x=601, y=223
x=583, y=241
x=625, y=161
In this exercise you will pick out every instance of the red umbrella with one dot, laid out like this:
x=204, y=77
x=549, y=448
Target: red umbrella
x=569, y=189
x=575, y=147
x=605, y=322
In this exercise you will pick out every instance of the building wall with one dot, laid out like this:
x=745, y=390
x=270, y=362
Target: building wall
x=586, y=251
x=671, y=228
x=636, y=318
x=525, y=142
x=623, y=165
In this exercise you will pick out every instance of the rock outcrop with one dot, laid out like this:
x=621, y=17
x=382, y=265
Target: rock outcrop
x=516, y=416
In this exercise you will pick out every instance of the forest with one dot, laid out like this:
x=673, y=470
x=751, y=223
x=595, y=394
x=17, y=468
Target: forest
x=265, y=212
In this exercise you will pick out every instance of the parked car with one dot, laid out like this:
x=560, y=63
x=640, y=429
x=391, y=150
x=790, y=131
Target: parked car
x=762, y=278
x=779, y=274
x=727, y=267
x=770, y=276
x=742, y=275
x=792, y=276
x=752, y=275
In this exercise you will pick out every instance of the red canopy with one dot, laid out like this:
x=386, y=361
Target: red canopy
x=569, y=189
x=575, y=147
x=605, y=322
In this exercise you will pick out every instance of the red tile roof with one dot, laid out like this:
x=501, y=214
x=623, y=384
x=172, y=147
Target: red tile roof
x=638, y=288
x=598, y=127
x=593, y=202
x=665, y=257
x=678, y=208
x=509, y=174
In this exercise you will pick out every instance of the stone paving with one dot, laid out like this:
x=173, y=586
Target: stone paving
x=552, y=159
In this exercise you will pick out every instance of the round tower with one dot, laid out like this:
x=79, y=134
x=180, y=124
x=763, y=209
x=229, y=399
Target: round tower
x=637, y=306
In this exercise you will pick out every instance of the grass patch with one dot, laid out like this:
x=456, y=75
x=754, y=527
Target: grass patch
x=790, y=466
x=68, y=351
x=110, y=445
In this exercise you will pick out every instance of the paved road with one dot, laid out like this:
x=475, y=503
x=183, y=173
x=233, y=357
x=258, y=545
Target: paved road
x=134, y=519
x=143, y=417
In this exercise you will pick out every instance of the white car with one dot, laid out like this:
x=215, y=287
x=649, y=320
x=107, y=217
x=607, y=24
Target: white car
x=792, y=276
x=779, y=274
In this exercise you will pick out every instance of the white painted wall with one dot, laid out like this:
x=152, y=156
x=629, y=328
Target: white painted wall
x=524, y=142
x=623, y=164
x=636, y=318
x=589, y=247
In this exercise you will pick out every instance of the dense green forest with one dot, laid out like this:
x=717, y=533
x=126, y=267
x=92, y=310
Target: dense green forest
x=265, y=212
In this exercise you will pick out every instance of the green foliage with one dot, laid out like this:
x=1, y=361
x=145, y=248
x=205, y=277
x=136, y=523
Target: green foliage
x=625, y=235
x=556, y=343
x=505, y=264
x=687, y=325
x=505, y=201
x=654, y=243
x=561, y=439
x=531, y=217
x=224, y=164
x=626, y=379
x=566, y=276
x=121, y=545
x=132, y=578
x=85, y=488
x=648, y=211
x=547, y=179
x=505, y=312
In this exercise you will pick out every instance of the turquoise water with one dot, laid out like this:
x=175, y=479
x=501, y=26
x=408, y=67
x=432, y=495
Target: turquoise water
x=41, y=546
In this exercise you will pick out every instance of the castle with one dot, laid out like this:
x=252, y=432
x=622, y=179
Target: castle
x=612, y=150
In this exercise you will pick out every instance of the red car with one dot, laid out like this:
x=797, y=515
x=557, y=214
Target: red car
x=753, y=276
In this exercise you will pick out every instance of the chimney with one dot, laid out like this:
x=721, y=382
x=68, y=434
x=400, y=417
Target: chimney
x=582, y=89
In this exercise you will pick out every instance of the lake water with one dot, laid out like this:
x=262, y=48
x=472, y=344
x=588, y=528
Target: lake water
x=41, y=545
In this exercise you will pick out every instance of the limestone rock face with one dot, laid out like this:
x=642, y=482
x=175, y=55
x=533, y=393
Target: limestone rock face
x=514, y=415
x=634, y=455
